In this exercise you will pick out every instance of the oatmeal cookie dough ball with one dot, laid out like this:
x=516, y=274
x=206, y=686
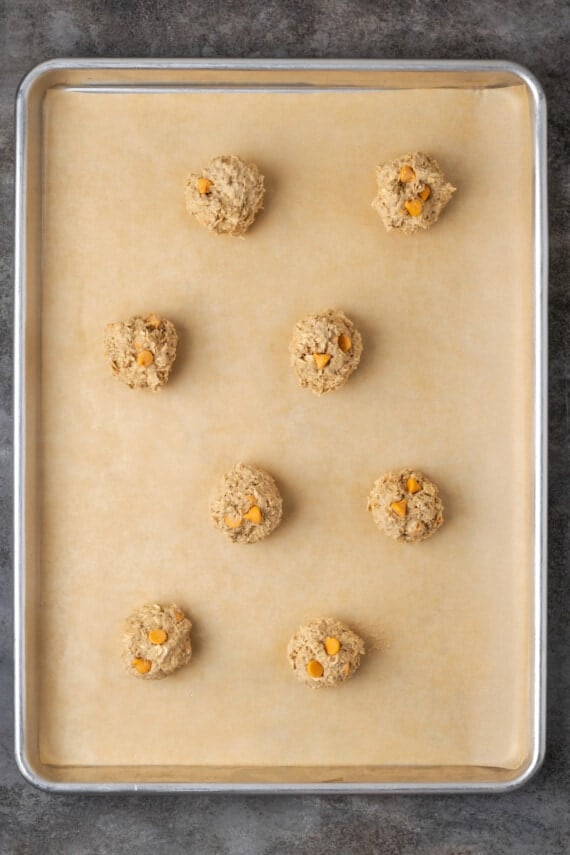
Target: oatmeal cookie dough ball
x=324, y=652
x=156, y=641
x=141, y=351
x=247, y=506
x=406, y=505
x=412, y=193
x=226, y=196
x=325, y=350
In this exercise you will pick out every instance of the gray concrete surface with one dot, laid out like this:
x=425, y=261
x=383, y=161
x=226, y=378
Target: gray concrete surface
x=532, y=821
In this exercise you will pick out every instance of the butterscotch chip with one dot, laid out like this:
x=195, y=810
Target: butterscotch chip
x=412, y=193
x=156, y=641
x=227, y=196
x=406, y=505
x=204, y=186
x=413, y=207
x=399, y=508
x=321, y=359
x=254, y=515
x=406, y=174
x=324, y=652
x=332, y=646
x=325, y=350
x=141, y=351
x=145, y=358
x=314, y=669
x=247, y=505
x=413, y=486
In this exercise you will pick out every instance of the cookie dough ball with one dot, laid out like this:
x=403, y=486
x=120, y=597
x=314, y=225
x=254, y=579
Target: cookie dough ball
x=156, y=641
x=247, y=506
x=226, y=196
x=324, y=652
x=325, y=350
x=141, y=351
x=406, y=505
x=412, y=193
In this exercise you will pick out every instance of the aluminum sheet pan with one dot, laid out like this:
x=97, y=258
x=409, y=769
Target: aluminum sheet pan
x=421, y=727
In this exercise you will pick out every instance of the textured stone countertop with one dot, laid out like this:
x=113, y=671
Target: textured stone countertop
x=532, y=821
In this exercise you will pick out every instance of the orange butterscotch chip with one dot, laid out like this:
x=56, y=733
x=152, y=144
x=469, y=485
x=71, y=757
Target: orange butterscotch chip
x=233, y=522
x=315, y=669
x=413, y=207
x=425, y=193
x=399, y=508
x=157, y=636
x=253, y=515
x=344, y=342
x=152, y=320
x=145, y=358
x=321, y=359
x=406, y=174
x=204, y=186
x=332, y=646
x=413, y=486
x=143, y=666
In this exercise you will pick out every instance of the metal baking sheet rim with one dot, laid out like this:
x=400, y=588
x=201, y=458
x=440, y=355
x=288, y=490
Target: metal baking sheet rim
x=540, y=268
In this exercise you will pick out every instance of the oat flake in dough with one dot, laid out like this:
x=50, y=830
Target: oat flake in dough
x=247, y=505
x=141, y=351
x=406, y=505
x=156, y=641
x=226, y=196
x=325, y=350
x=412, y=193
x=325, y=652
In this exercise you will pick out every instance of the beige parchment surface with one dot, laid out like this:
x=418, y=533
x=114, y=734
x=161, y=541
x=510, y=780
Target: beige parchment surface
x=444, y=385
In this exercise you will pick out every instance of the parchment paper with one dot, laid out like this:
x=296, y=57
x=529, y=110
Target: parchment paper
x=444, y=385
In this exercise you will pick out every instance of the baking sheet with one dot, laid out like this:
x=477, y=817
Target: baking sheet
x=444, y=384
